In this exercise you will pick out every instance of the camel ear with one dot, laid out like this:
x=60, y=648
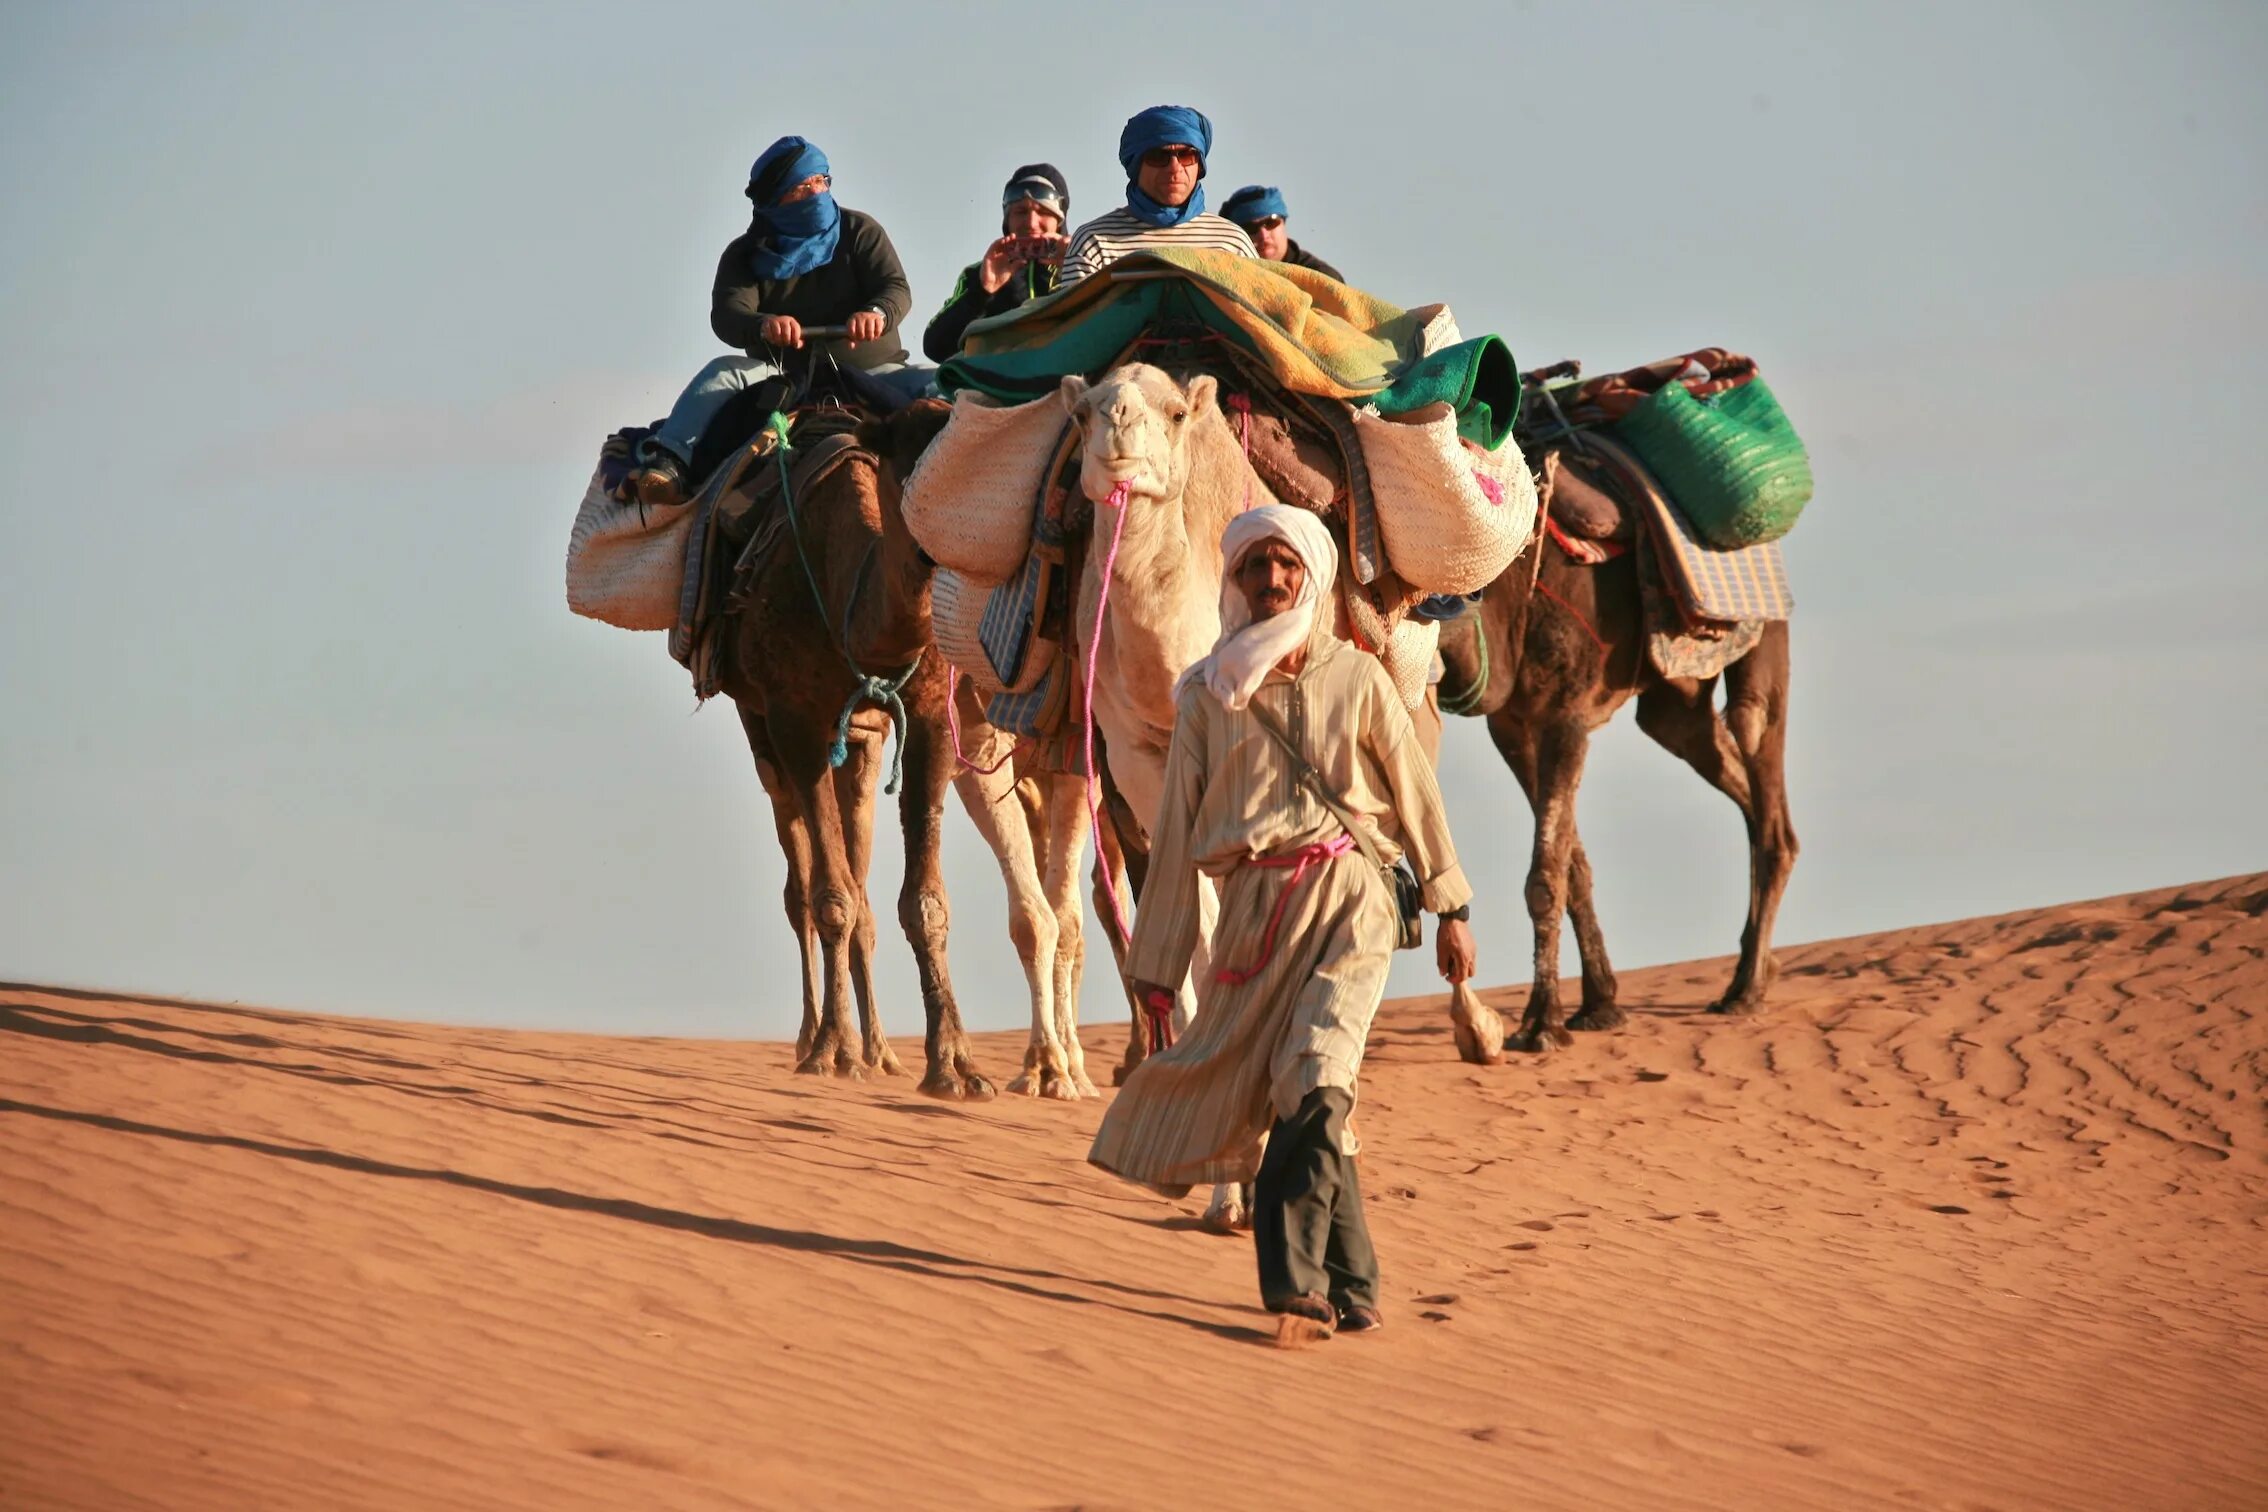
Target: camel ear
x=1202, y=391
x=1073, y=390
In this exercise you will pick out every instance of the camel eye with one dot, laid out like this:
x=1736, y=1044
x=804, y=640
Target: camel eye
x=1180, y=415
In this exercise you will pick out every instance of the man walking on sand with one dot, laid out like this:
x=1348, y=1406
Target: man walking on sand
x=1306, y=927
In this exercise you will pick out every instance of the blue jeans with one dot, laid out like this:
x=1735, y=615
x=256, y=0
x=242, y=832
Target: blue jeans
x=713, y=387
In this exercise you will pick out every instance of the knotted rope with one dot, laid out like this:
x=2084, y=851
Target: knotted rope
x=888, y=692
x=1121, y=499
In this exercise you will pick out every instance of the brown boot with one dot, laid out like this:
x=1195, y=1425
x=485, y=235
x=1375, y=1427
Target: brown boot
x=659, y=480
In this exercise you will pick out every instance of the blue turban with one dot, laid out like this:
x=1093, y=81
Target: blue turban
x=801, y=236
x=1254, y=203
x=1163, y=126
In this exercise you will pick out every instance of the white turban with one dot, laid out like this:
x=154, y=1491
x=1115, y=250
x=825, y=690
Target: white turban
x=1241, y=658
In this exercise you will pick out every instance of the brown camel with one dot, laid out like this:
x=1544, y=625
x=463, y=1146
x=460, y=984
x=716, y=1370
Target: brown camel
x=1552, y=653
x=852, y=603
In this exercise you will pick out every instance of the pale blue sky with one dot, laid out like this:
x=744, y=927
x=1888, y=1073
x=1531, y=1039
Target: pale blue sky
x=311, y=320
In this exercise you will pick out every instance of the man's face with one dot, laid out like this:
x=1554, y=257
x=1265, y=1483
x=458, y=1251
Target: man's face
x=1270, y=239
x=1270, y=577
x=1169, y=174
x=1031, y=218
x=798, y=193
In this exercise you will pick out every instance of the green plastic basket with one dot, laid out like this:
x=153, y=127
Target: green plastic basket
x=1731, y=461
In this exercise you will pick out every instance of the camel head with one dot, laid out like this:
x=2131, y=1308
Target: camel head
x=1137, y=424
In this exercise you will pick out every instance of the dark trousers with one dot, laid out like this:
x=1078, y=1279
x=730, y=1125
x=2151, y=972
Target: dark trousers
x=1307, y=1210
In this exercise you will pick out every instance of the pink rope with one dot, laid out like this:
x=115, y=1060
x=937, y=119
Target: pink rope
x=1121, y=493
x=1298, y=862
x=953, y=723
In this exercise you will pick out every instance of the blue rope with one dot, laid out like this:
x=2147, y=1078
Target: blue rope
x=888, y=692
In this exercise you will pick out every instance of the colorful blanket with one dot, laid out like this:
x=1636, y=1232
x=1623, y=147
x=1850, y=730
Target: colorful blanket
x=1314, y=334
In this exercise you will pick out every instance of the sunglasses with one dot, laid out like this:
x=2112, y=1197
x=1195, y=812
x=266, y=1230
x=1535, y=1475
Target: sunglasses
x=1267, y=223
x=1166, y=157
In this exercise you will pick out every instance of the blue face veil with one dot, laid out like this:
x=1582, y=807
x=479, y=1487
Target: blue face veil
x=1164, y=126
x=801, y=236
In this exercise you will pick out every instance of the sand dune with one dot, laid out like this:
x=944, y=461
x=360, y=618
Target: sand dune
x=1973, y=1217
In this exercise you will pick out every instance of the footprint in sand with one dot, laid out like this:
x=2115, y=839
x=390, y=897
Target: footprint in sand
x=1946, y=1207
x=1540, y=1225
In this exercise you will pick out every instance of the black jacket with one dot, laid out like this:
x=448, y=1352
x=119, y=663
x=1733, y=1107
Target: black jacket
x=969, y=304
x=864, y=274
x=1295, y=253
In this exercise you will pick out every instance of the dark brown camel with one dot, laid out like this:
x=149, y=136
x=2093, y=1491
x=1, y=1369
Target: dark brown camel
x=855, y=596
x=1560, y=660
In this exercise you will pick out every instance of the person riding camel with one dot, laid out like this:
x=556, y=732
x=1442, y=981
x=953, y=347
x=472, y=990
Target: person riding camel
x=1282, y=730
x=1019, y=267
x=1259, y=209
x=1163, y=150
x=803, y=261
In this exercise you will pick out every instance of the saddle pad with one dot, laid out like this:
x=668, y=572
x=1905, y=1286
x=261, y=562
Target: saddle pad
x=1009, y=630
x=1677, y=647
x=1748, y=584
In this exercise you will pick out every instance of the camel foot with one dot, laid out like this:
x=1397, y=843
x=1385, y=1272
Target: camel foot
x=1738, y=1007
x=884, y=1061
x=1228, y=1214
x=824, y=1062
x=1084, y=1083
x=1540, y=1040
x=1479, y=1028
x=957, y=1082
x=1598, y=1017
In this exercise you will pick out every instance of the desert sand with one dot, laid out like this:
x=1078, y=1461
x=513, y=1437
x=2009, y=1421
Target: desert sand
x=1972, y=1216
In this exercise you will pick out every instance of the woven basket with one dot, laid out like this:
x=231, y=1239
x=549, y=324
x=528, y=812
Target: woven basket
x=973, y=495
x=956, y=609
x=624, y=565
x=1452, y=517
x=1408, y=657
x=1732, y=461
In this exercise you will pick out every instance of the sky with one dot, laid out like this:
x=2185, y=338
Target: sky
x=312, y=319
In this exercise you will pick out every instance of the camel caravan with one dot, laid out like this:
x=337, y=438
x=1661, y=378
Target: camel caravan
x=994, y=580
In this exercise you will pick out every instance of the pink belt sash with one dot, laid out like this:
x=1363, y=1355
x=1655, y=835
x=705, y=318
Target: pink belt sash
x=1298, y=863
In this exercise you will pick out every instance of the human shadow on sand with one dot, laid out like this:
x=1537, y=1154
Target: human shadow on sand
x=886, y=1253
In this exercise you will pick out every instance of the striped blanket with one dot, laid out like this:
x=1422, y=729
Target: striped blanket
x=1314, y=334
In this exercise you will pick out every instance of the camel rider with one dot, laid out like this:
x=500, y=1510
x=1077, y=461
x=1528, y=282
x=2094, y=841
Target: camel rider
x=1259, y=209
x=804, y=261
x=1033, y=211
x=1306, y=928
x=1163, y=151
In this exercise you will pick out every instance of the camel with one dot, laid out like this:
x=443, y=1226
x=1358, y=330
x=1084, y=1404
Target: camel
x=1554, y=652
x=845, y=597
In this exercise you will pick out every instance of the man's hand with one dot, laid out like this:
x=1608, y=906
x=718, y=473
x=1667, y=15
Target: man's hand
x=999, y=265
x=866, y=325
x=783, y=331
x=1454, y=951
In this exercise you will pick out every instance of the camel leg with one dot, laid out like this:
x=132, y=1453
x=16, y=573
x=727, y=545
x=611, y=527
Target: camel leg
x=994, y=802
x=795, y=846
x=1756, y=710
x=855, y=781
x=1111, y=874
x=1681, y=717
x=834, y=901
x=1557, y=755
x=922, y=909
x=1063, y=816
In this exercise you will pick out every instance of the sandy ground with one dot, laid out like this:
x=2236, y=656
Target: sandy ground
x=1972, y=1217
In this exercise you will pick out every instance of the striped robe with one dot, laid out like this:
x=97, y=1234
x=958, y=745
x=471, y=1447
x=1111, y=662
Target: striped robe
x=1109, y=237
x=1196, y=1113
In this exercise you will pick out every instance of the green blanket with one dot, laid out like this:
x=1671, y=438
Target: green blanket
x=1313, y=334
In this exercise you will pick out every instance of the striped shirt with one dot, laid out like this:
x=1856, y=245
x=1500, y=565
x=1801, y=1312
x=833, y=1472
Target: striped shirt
x=1107, y=238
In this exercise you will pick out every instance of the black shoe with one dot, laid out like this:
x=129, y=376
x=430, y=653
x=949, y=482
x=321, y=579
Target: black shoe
x=659, y=480
x=1360, y=1318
